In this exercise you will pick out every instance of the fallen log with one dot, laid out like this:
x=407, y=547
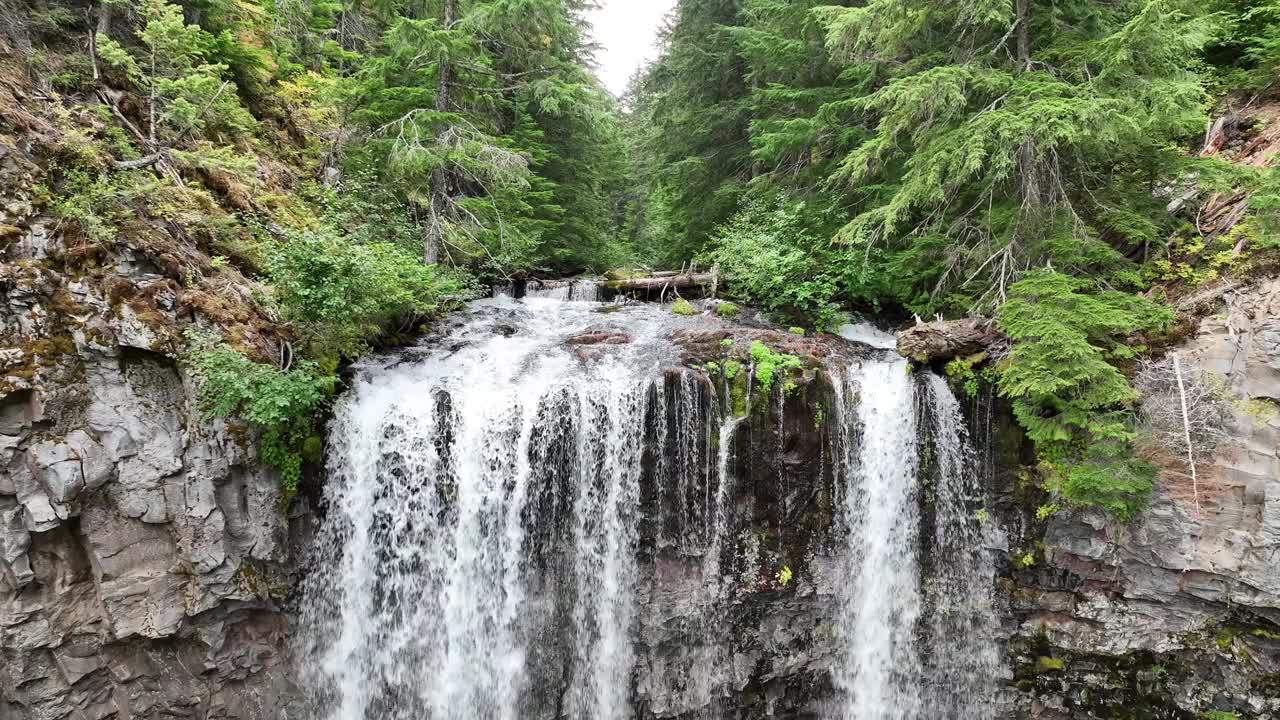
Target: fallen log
x=1205, y=299
x=948, y=339
x=649, y=284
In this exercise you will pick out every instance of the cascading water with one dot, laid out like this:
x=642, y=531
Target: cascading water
x=963, y=663
x=578, y=290
x=544, y=514
x=879, y=609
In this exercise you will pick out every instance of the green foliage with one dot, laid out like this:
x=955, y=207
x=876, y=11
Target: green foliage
x=728, y=310
x=766, y=364
x=784, y=576
x=1049, y=664
x=510, y=165
x=774, y=260
x=688, y=136
x=340, y=295
x=732, y=368
x=1066, y=391
x=1044, y=512
x=682, y=307
x=283, y=404
x=1058, y=372
x=1247, y=52
x=94, y=202
x=188, y=94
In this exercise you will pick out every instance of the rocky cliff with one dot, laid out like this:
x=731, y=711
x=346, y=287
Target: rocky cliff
x=1177, y=614
x=143, y=548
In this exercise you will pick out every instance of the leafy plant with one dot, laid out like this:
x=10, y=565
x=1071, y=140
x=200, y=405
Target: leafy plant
x=1046, y=511
x=283, y=404
x=341, y=295
x=784, y=576
x=774, y=260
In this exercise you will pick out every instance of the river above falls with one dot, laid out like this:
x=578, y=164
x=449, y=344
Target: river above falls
x=557, y=509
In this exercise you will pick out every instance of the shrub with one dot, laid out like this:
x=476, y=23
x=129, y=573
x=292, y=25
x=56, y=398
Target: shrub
x=341, y=295
x=773, y=260
x=284, y=404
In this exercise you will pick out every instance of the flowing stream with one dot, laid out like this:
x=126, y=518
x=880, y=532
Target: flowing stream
x=521, y=524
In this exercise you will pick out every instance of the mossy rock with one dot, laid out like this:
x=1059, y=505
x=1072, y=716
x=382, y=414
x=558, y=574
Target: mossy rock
x=683, y=307
x=728, y=310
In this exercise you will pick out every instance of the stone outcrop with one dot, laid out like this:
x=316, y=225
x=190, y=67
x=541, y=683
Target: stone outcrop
x=143, y=550
x=1178, y=613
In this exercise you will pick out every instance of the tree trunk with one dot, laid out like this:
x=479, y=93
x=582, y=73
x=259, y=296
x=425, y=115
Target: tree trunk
x=678, y=282
x=445, y=78
x=1024, y=33
x=947, y=339
x=439, y=179
x=104, y=18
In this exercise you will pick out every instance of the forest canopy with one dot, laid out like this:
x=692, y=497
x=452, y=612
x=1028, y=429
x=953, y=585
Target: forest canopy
x=1047, y=164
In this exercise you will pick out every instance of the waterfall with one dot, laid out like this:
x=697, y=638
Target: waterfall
x=885, y=673
x=522, y=526
x=963, y=662
x=880, y=605
x=577, y=290
x=479, y=499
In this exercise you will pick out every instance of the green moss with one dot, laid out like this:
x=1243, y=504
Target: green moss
x=768, y=363
x=1049, y=664
x=738, y=393
x=728, y=310
x=1219, y=715
x=797, y=331
x=682, y=307
x=732, y=368
x=1226, y=638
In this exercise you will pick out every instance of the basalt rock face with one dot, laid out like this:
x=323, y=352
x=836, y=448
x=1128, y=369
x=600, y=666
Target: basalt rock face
x=721, y=632
x=142, y=546
x=1176, y=614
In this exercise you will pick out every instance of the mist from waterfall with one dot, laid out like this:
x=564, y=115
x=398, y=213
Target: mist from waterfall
x=513, y=526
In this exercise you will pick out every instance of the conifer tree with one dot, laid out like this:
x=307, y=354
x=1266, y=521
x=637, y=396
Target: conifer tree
x=698, y=119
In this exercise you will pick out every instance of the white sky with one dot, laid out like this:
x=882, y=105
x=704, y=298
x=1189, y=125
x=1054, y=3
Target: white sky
x=626, y=30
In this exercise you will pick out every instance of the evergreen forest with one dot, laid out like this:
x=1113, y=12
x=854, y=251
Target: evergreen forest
x=1072, y=171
